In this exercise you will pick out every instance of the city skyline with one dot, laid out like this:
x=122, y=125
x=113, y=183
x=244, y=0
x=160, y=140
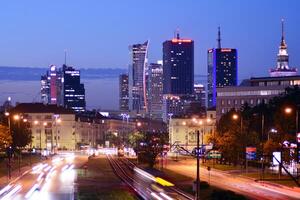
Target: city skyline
x=90, y=41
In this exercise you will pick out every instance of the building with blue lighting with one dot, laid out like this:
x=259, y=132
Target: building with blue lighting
x=222, y=68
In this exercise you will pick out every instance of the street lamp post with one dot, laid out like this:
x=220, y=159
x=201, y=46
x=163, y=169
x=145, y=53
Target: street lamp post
x=9, y=148
x=198, y=168
x=236, y=117
x=289, y=110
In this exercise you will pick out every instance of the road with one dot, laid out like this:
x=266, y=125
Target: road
x=238, y=184
x=52, y=179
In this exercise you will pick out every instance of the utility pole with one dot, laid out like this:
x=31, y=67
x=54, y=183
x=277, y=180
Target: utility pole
x=198, y=167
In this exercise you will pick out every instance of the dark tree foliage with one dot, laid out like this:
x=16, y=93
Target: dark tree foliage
x=256, y=125
x=148, y=145
x=21, y=134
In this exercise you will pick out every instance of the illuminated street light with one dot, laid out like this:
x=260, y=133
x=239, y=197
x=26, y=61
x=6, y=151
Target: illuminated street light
x=58, y=120
x=6, y=114
x=36, y=122
x=288, y=110
x=45, y=123
x=184, y=123
x=16, y=117
x=235, y=116
x=139, y=124
x=200, y=122
x=24, y=120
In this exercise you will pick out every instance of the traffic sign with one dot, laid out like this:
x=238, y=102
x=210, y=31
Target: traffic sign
x=250, y=153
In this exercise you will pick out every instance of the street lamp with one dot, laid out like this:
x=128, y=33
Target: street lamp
x=289, y=110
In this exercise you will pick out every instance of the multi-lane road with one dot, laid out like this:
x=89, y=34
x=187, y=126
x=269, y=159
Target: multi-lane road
x=51, y=180
x=54, y=179
x=236, y=183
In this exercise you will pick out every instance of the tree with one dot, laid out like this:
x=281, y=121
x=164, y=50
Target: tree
x=148, y=145
x=5, y=136
x=21, y=135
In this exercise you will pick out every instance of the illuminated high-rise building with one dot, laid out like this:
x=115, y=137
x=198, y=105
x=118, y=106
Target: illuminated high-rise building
x=178, y=66
x=73, y=90
x=137, y=77
x=123, y=93
x=222, y=64
x=282, y=68
x=155, y=90
x=45, y=89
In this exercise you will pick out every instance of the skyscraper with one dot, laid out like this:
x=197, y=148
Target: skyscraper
x=45, y=89
x=282, y=68
x=200, y=94
x=123, y=93
x=222, y=70
x=155, y=90
x=49, y=85
x=73, y=90
x=178, y=66
x=137, y=77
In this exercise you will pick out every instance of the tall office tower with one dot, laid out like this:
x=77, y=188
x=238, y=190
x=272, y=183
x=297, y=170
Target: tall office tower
x=155, y=90
x=123, y=93
x=137, y=77
x=53, y=84
x=282, y=68
x=222, y=70
x=200, y=94
x=45, y=89
x=49, y=86
x=73, y=90
x=178, y=66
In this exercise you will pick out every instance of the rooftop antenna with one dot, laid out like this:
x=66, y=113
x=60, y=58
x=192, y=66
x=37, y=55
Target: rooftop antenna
x=177, y=33
x=65, y=56
x=219, y=37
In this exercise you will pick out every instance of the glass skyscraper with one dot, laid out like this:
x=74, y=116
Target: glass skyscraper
x=178, y=66
x=137, y=77
x=222, y=68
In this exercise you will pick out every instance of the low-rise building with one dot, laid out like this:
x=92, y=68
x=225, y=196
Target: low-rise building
x=183, y=131
x=253, y=92
x=52, y=127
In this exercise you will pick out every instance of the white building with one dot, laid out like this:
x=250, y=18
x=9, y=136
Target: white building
x=182, y=131
x=52, y=127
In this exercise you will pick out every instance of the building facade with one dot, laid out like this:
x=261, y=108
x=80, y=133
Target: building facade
x=252, y=92
x=155, y=90
x=73, y=90
x=52, y=127
x=123, y=92
x=200, y=94
x=62, y=87
x=137, y=77
x=182, y=131
x=222, y=68
x=178, y=66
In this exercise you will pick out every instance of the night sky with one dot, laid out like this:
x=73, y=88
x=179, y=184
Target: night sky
x=97, y=33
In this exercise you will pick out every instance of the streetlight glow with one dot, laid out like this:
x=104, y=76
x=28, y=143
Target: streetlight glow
x=16, y=117
x=36, y=122
x=7, y=114
x=288, y=110
x=235, y=116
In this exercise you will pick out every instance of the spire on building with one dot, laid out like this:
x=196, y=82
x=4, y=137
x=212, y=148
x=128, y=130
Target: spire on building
x=282, y=68
x=219, y=38
x=282, y=44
